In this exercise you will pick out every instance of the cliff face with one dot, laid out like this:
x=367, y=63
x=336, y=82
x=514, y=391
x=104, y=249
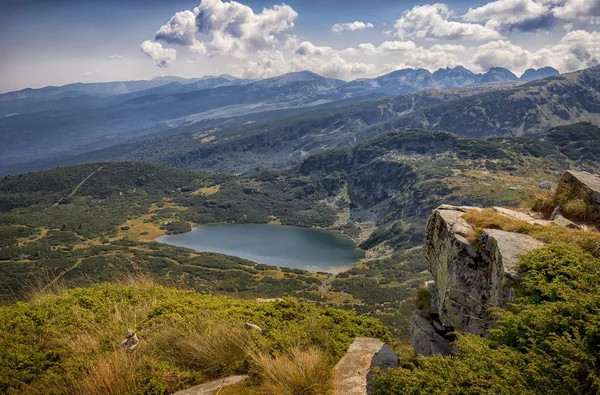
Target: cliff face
x=469, y=277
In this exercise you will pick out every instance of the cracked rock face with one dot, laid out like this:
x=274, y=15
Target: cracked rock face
x=468, y=279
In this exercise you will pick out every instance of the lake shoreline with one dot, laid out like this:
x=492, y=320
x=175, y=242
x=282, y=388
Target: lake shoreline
x=284, y=246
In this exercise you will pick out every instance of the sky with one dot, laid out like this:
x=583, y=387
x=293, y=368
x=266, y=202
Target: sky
x=56, y=42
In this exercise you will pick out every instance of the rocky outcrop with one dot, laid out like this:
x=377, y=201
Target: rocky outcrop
x=352, y=373
x=212, y=387
x=584, y=186
x=472, y=272
x=428, y=339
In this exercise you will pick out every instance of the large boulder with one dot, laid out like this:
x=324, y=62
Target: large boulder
x=582, y=185
x=470, y=277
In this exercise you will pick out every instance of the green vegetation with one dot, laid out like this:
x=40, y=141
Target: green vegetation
x=69, y=342
x=545, y=342
x=385, y=288
x=105, y=230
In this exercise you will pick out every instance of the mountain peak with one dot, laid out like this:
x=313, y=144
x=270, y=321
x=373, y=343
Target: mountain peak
x=544, y=72
x=499, y=74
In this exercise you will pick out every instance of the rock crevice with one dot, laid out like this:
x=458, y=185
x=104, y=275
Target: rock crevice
x=472, y=272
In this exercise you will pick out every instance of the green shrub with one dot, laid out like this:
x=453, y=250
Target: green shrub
x=66, y=343
x=545, y=342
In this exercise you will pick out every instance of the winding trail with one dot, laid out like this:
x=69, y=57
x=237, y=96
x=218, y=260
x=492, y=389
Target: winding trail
x=324, y=287
x=74, y=191
x=55, y=280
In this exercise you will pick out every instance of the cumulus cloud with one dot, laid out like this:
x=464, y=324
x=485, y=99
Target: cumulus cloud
x=583, y=10
x=234, y=29
x=576, y=50
x=220, y=28
x=181, y=29
x=161, y=55
x=433, y=21
x=261, y=44
x=351, y=26
x=305, y=48
x=115, y=57
x=448, y=48
x=506, y=15
x=503, y=54
x=383, y=48
x=412, y=55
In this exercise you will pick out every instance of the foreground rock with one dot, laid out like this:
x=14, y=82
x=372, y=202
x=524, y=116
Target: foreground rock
x=583, y=185
x=468, y=278
x=426, y=339
x=212, y=386
x=352, y=373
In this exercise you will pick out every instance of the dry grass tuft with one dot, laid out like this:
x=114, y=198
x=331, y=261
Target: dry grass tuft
x=217, y=350
x=296, y=372
x=489, y=219
x=114, y=375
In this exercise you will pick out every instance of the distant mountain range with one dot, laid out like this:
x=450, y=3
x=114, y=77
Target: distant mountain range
x=478, y=112
x=39, y=127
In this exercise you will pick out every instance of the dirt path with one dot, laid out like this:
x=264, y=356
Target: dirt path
x=324, y=287
x=74, y=191
x=51, y=283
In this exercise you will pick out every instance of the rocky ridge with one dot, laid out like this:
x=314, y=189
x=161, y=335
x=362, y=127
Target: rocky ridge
x=474, y=270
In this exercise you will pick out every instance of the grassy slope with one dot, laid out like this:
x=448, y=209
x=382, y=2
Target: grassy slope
x=68, y=343
x=106, y=229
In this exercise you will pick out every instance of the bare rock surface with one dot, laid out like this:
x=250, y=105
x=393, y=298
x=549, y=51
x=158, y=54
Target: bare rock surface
x=425, y=337
x=469, y=279
x=212, y=387
x=352, y=373
x=588, y=181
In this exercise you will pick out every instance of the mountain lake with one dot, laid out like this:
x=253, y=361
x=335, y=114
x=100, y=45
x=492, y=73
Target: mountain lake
x=284, y=246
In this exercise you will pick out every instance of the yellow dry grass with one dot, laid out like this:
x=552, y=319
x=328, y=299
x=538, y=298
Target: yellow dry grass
x=299, y=371
x=32, y=239
x=588, y=240
x=207, y=191
x=208, y=139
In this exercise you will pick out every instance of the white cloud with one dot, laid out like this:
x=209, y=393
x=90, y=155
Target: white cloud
x=448, y=48
x=584, y=10
x=512, y=14
x=255, y=46
x=351, y=26
x=161, y=55
x=433, y=21
x=115, y=57
x=220, y=28
x=231, y=28
x=502, y=54
x=576, y=50
x=181, y=29
x=383, y=48
x=306, y=48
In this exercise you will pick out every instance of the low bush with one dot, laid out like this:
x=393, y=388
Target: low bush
x=545, y=342
x=68, y=343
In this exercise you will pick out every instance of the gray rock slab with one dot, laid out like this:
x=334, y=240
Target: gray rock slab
x=212, y=386
x=352, y=373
